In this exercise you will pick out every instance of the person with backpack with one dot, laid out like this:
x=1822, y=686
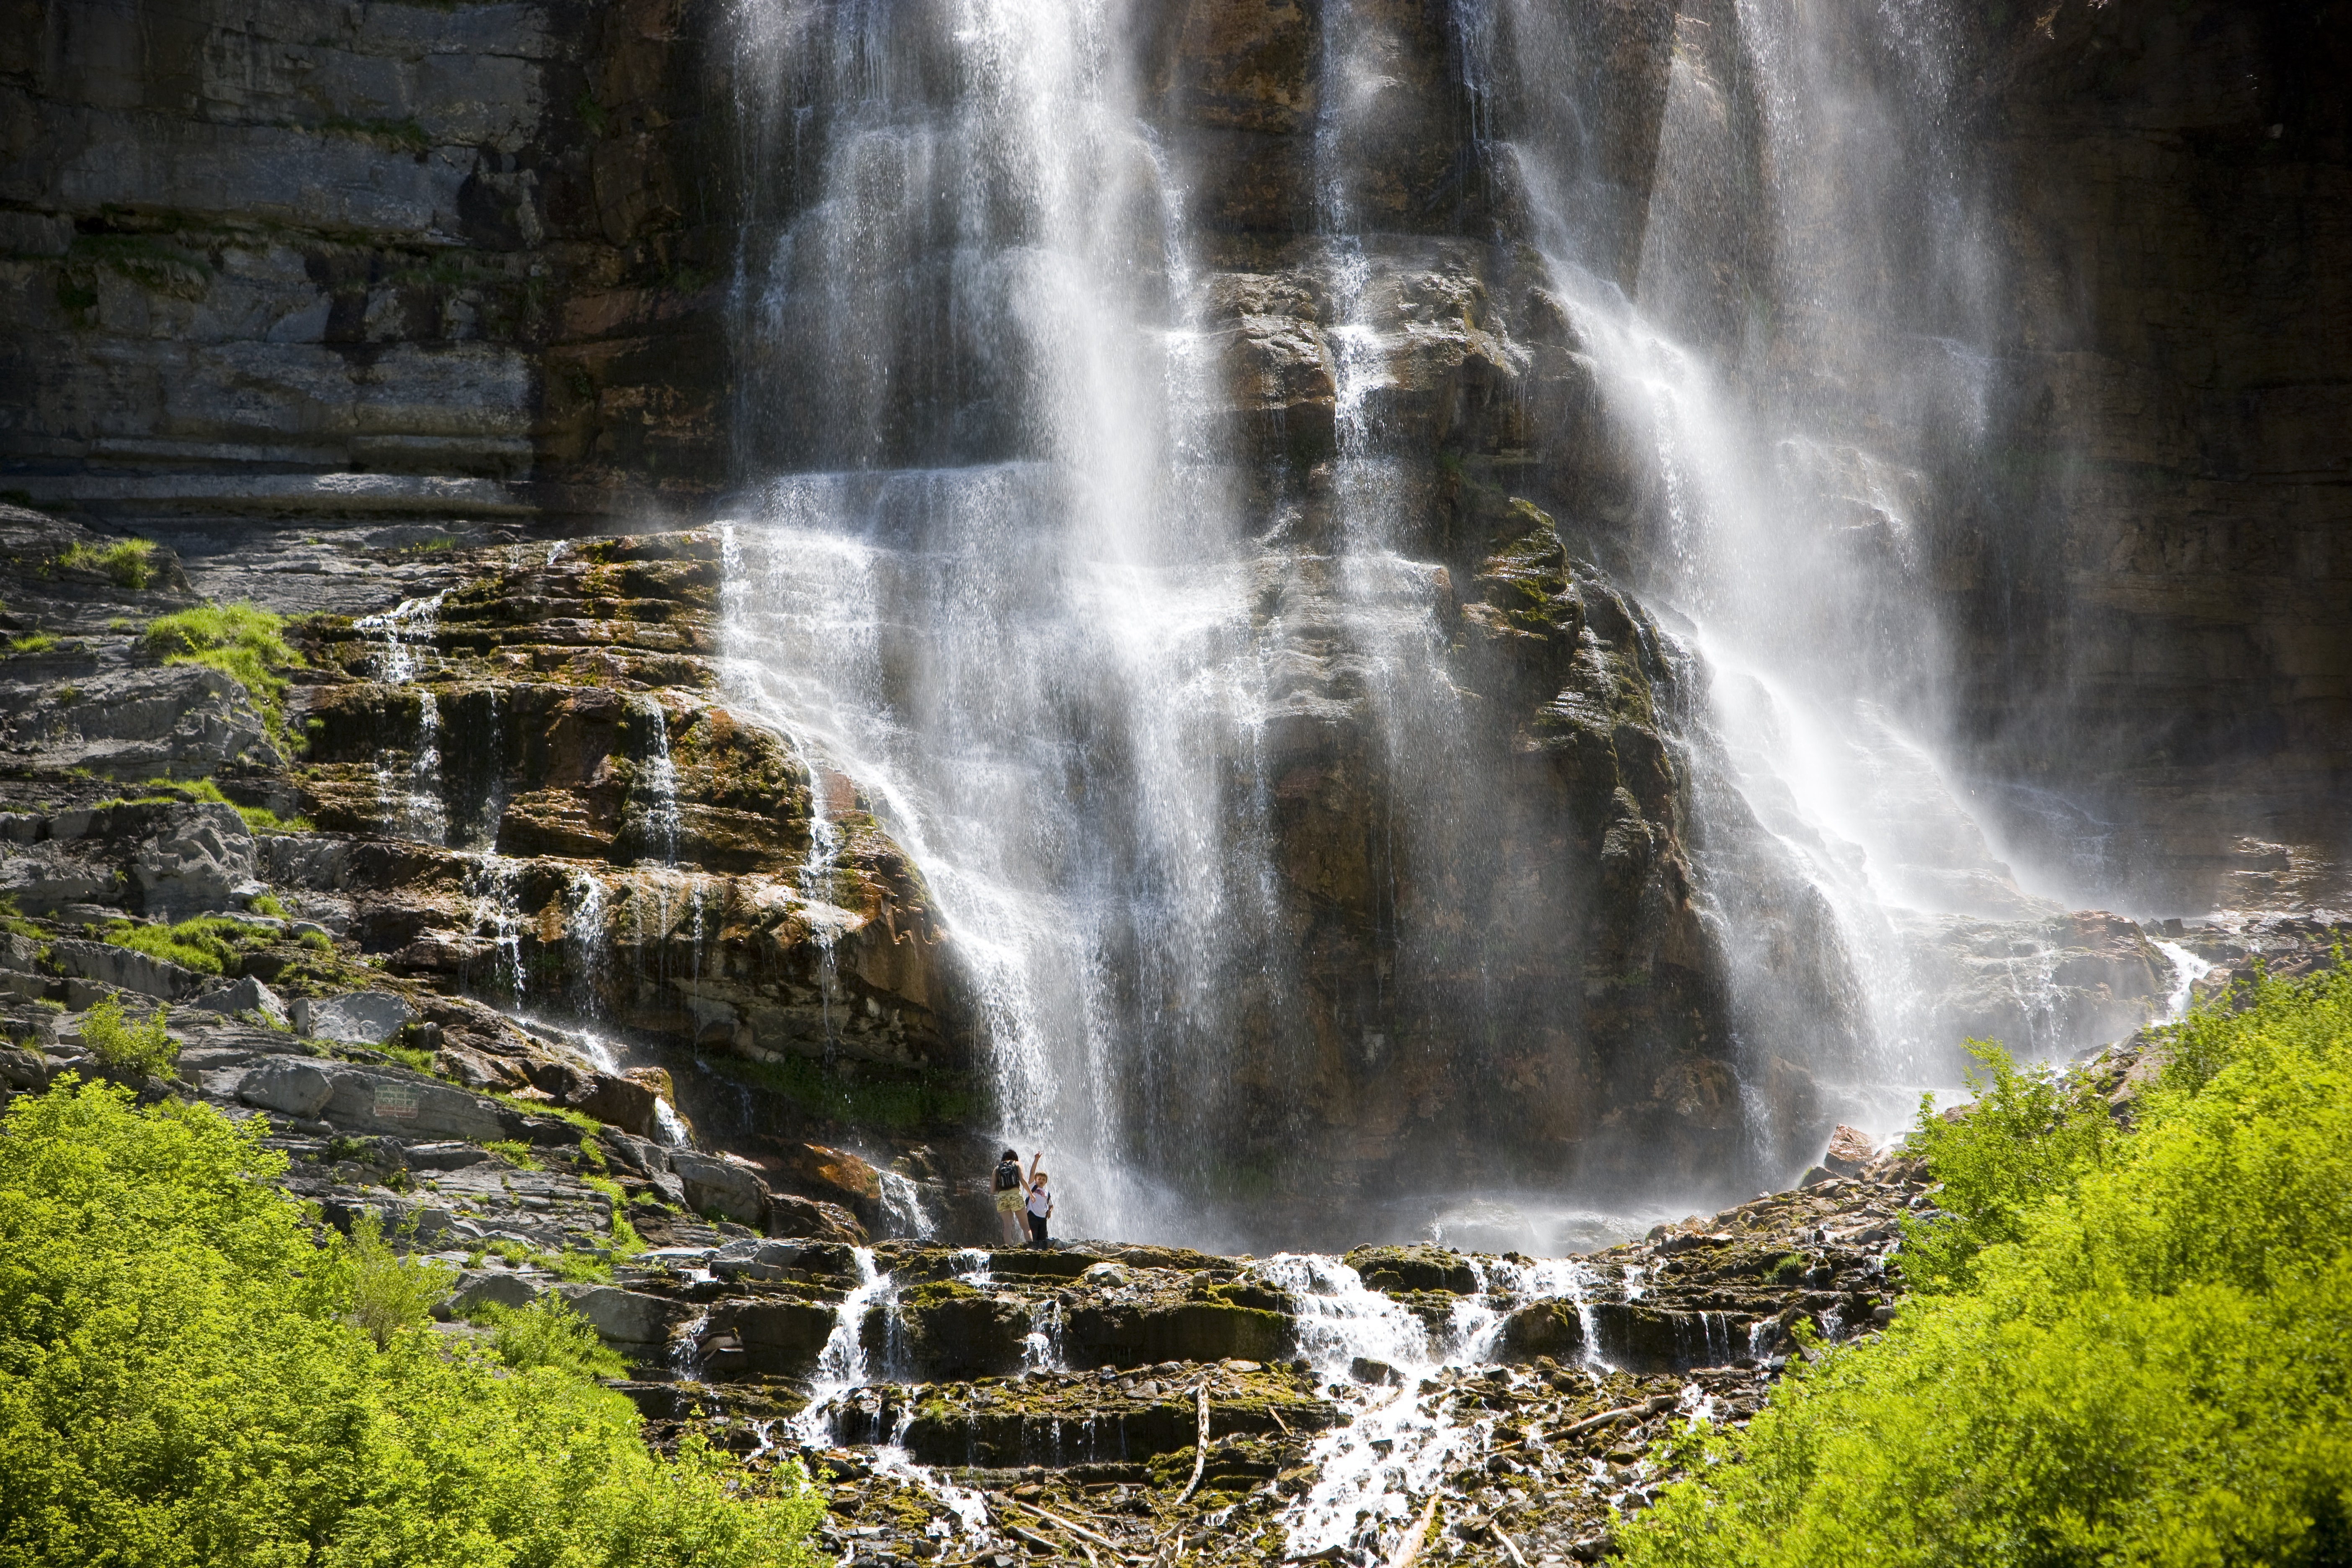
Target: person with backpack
x=1012, y=1192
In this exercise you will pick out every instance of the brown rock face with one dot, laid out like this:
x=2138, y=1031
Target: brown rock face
x=546, y=804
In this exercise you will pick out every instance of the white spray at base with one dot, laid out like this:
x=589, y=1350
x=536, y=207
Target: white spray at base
x=1402, y=1441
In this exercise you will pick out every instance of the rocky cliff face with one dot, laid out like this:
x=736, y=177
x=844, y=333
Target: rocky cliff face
x=434, y=261
x=2154, y=581
x=295, y=294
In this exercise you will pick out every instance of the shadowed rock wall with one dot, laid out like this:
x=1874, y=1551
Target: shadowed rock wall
x=440, y=259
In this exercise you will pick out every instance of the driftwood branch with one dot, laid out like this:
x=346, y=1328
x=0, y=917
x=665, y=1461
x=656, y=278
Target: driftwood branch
x=1606, y=1417
x=1510, y=1545
x=1200, y=1449
x=1409, y=1547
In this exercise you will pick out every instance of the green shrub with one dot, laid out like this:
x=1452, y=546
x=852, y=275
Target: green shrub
x=259, y=818
x=206, y=944
x=581, y=1268
x=2146, y=1359
x=32, y=642
x=180, y=1384
x=547, y=1332
x=390, y=1292
x=2030, y=1135
x=241, y=640
x=317, y=942
x=126, y=1046
x=514, y=1153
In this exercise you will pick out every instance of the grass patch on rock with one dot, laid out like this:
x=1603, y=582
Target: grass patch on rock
x=241, y=640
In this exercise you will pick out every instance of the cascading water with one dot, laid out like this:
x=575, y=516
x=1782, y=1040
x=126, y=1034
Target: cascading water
x=1250, y=892
x=995, y=586
x=413, y=806
x=1401, y=1437
x=1785, y=341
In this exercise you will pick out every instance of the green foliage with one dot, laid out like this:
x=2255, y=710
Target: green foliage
x=582, y=1269
x=126, y=1046
x=317, y=942
x=390, y=1292
x=268, y=904
x=125, y=562
x=32, y=642
x=241, y=640
x=547, y=1332
x=2031, y=1133
x=514, y=1153
x=416, y=1058
x=2148, y=1360
x=180, y=1384
x=207, y=945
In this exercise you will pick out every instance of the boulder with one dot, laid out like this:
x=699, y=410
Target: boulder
x=124, y=969
x=443, y=1156
x=1413, y=1269
x=947, y=1331
x=288, y=1085
x=184, y=721
x=477, y=1288
x=714, y=1184
x=1848, y=1151
x=195, y=858
x=617, y=1101
x=381, y=1100
x=789, y=1216
x=361, y=1018
x=244, y=995
x=1549, y=1327
x=634, y=1151
x=47, y=878
x=623, y=1317
x=1643, y=1339
x=23, y=1069
x=1141, y=1335
x=780, y=1338
x=841, y=1176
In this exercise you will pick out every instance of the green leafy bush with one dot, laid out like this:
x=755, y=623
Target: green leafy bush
x=32, y=642
x=2028, y=1136
x=2139, y=1349
x=390, y=1292
x=241, y=640
x=180, y=1384
x=547, y=1332
x=126, y=1044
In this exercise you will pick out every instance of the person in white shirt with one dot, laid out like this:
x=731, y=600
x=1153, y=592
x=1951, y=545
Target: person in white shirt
x=1041, y=1202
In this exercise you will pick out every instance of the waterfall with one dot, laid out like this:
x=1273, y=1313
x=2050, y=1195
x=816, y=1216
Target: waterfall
x=412, y=806
x=1790, y=341
x=1250, y=890
x=990, y=576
